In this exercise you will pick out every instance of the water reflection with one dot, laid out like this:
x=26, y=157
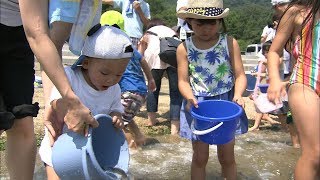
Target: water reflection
x=266, y=154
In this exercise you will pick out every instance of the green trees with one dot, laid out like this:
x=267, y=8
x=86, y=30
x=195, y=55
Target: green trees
x=245, y=22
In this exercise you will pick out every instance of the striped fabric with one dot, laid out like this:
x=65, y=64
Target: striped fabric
x=307, y=53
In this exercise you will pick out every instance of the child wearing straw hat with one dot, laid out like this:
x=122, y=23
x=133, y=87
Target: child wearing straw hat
x=94, y=78
x=209, y=67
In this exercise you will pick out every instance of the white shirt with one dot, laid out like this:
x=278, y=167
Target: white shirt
x=269, y=33
x=151, y=54
x=181, y=22
x=99, y=102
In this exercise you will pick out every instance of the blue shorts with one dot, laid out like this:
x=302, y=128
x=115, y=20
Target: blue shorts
x=186, y=118
x=63, y=10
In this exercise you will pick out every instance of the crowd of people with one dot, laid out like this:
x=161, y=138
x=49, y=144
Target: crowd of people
x=118, y=50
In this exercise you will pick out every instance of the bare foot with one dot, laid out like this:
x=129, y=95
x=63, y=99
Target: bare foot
x=296, y=146
x=140, y=140
x=152, y=119
x=152, y=123
x=254, y=129
x=274, y=122
x=175, y=127
x=133, y=145
x=268, y=118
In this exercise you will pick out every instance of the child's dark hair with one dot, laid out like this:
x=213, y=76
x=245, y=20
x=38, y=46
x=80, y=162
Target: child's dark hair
x=266, y=46
x=209, y=21
x=155, y=22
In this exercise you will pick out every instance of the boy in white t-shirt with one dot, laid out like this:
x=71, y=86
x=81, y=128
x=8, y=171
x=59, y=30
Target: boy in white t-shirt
x=94, y=78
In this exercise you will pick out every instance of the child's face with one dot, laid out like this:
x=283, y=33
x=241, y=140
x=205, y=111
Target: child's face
x=100, y=74
x=205, y=29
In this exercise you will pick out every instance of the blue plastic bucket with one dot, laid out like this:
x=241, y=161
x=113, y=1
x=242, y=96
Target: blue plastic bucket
x=263, y=87
x=103, y=154
x=251, y=83
x=215, y=121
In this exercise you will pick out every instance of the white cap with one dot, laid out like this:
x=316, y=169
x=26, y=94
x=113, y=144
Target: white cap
x=276, y=2
x=105, y=42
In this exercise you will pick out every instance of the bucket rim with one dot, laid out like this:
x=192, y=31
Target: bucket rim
x=263, y=85
x=227, y=118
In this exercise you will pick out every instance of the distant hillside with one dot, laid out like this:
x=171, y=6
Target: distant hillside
x=245, y=22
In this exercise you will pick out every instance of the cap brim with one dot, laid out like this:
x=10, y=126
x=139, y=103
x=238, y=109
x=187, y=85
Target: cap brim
x=183, y=14
x=78, y=62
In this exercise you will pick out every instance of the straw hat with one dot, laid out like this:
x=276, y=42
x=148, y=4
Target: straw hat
x=204, y=9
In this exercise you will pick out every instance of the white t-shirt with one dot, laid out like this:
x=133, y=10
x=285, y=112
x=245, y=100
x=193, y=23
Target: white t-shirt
x=99, y=102
x=269, y=33
x=151, y=54
x=181, y=22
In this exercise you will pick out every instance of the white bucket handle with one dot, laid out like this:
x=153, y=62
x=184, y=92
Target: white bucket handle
x=203, y=132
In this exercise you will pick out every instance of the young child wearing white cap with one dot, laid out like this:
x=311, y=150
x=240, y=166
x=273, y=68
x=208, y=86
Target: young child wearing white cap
x=94, y=78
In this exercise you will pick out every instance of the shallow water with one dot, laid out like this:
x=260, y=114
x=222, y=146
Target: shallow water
x=265, y=154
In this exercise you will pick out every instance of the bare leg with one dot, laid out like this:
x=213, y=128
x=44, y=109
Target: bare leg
x=268, y=118
x=292, y=130
x=305, y=107
x=21, y=149
x=199, y=160
x=152, y=119
x=138, y=135
x=175, y=126
x=227, y=160
x=51, y=174
x=130, y=139
x=257, y=121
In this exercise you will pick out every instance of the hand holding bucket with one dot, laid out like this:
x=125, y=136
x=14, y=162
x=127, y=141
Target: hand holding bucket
x=215, y=121
x=100, y=155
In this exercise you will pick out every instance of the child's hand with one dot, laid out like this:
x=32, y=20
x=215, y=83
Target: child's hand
x=53, y=121
x=276, y=90
x=117, y=122
x=191, y=102
x=152, y=85
x=239, y=101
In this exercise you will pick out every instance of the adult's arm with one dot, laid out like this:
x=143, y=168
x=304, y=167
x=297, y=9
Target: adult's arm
x=34, y=14
x=143, y=18
x=147, y=71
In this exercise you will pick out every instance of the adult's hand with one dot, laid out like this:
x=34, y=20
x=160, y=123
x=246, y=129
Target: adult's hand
x=136, y=5
x=77, y=117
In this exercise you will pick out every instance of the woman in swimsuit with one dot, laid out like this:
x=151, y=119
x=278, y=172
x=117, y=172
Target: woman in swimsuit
x=299, y=31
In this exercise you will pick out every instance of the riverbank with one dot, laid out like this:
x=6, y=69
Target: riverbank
x=159, y=138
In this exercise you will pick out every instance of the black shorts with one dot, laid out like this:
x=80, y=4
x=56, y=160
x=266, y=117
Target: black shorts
x=16, y=73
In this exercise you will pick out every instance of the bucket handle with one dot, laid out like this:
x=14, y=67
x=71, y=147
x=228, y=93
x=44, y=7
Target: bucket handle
x=203, y=132
x=85, y=164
